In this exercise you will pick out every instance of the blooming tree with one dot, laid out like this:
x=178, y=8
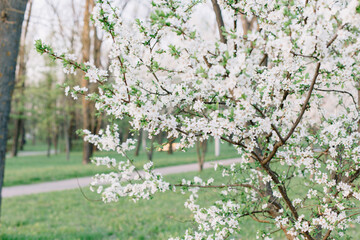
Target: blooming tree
x=263, y=90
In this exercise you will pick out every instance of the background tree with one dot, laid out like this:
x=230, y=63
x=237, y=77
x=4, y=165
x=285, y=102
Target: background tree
x=11, y=20
x=69, y=36
x=18, y=98
x=86, y=46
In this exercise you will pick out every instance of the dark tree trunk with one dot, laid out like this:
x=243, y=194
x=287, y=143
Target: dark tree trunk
x=126, y=134
x=11, y=19
x=22, y=136
x=55, y=142
x=138, y=144
x=150, y=152
x=33, y=141
x=71, y=129
x=205, y=147
x=15, y=145
x=160, y=138
x=67, y=137
x=20, y=80
x=170, y=151
x=48, y=140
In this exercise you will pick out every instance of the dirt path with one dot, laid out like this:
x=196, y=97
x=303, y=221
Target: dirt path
x=32, y=153
x=21, y=190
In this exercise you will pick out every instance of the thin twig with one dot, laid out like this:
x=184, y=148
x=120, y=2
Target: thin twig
x=82, y=192
x=337, y=91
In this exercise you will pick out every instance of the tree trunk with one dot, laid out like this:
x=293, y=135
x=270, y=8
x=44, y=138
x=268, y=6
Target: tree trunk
x=22, y=136
x=97, y=130
x=71, y=129
x=67, y=137
x=85, y=38
x=201, y=148
x=20, y=79
x=170, y=151
x=48, y=139
x=126, y=134
x=160, y=138
x=149, y=152
x=11, y=19
x=14, y=147
x=217, y=147
x=55, y=142
x=96, y=120
x=33, y=141
x=198, y=153
x=138, y=144
x=219, y=20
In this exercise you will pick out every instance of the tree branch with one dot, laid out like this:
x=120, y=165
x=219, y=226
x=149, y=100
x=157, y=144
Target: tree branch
x=337, y=91
x=219, y=20
x=279, y=144
x=272, y=125
x=305, y=103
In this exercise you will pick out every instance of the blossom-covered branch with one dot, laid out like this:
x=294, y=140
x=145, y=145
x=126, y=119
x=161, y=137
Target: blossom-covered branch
x=261, y=86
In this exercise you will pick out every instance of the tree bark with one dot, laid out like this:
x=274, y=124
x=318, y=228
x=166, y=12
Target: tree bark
x=85, y=38
x=11, y=19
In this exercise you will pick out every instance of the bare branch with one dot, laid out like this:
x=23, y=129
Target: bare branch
x=337, y=91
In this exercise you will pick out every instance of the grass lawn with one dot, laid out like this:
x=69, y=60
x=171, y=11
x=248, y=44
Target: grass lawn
x=68, y=215
x=34, y=169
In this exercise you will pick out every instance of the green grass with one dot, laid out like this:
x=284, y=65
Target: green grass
x=68, y=215
x=29, y=147
x=35, y=148
x=35, y=169
x=42, y=146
